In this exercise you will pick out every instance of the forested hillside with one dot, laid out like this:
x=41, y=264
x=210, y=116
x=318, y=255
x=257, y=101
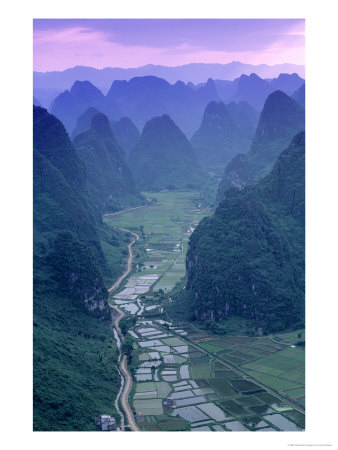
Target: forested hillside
x=111, y=184
x=74, y=353
x=225, y=131
x=280, y=120
x=248, y=259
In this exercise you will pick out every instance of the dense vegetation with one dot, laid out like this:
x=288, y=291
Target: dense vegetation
x=225, y=131
x=248, y=259
x=74, y=355
x=164, y=158
x=281, y=119
x=75, y=376
x=110, y=182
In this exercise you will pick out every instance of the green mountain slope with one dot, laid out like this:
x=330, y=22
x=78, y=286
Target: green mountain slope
x=74, y=375
x=225, y=131
x=164, y=158
x=110, y=182
x=281, y=119
x=248, y=259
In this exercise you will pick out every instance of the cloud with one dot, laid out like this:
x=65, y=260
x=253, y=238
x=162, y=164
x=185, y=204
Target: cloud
x=91, y=43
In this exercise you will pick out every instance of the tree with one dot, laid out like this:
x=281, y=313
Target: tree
x=123, y=326
x=127, y=346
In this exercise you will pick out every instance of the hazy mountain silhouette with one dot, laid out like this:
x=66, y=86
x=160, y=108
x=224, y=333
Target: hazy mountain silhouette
x=84, y=121
x=254, y=90
x=110, y=182
x=69, y=105
x=140, y=99
x=194, y=72
x=36, y=102
x=225, y=131
x=279, y=121
x=287, y=83
x=126, y=134
x=299, y=95
x=164, y=158
x=143, y=98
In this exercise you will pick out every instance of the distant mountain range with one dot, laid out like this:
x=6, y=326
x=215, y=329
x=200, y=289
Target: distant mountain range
x=143, y=98
x=69, y=105
x=195, y=73
x=140, y=99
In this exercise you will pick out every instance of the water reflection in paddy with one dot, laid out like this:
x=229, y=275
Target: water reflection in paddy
x=190, y=413
x=151, y=363
x=235, y=426
x=282, y=422
x=143, y=377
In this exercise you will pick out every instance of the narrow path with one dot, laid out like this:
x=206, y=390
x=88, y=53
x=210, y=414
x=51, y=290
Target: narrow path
x=123, y=362
x=123, y=210
x=125, y=394
x=129, y=262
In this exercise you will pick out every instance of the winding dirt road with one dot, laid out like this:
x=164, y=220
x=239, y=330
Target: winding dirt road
x=123, y=363
x=129, y=262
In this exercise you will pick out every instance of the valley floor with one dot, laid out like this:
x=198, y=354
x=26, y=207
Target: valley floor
x=186, y=378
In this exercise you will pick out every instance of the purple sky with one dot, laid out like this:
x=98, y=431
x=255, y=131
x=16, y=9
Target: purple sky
x=63, y=43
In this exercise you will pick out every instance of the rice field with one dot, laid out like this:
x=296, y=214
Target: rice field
x=210, y=385
x=196, y=390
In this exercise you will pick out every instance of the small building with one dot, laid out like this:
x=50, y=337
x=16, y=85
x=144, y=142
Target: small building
x=105, y=423
x=139, y=417
x=167, y=403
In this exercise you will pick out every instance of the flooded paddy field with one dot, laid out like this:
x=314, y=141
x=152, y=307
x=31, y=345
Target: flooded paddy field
x=195, y=396
x=189, y=380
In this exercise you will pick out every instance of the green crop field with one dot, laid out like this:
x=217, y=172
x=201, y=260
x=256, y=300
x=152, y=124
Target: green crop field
x=270, y=360
x=292, y=337
x=172, y=423
x=162, y=225
x=210, y=347
x=233, y=408
x=147, y=386
x=200, y=371
x=148, y=407
x=279, y=384
x=223, y=387
x=281, y=370
x=294, y=393
x=163, y=388
x=165, y=217
x=174, y=342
